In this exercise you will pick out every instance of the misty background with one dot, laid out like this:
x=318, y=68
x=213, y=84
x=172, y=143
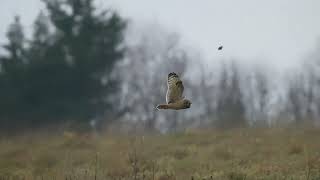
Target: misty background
x=96, y=64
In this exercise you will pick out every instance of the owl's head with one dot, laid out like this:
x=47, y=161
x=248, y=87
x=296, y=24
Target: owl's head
x=187, y=103
x=172, y=74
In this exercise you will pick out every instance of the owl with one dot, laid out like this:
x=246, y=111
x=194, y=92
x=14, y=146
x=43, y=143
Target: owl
x=174, y=97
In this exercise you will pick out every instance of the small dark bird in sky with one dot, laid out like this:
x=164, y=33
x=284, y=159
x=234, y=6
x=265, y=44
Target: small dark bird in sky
x=220, y=48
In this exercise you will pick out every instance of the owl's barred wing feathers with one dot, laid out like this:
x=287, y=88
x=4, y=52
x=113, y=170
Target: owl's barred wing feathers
x=175, y=88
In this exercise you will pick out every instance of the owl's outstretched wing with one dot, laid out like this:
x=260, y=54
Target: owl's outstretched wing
x=175, y=88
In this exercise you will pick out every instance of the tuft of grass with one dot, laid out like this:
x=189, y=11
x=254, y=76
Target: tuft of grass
x=295, y=149
x=180, y=153
x=236, y=175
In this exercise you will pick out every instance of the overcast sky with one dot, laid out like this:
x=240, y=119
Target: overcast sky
x=280, y=32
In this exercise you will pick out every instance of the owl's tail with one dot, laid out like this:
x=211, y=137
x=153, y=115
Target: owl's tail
x=162, y=106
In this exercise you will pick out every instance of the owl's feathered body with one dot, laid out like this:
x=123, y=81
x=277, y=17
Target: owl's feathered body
x=174, y=97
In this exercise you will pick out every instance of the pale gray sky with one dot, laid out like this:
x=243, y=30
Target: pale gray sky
x=278, y=31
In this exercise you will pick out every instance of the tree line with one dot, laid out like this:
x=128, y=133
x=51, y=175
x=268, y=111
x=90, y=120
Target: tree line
x=88, y=66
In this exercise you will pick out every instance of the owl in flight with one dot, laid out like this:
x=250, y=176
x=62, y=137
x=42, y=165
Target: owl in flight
x=174, y=97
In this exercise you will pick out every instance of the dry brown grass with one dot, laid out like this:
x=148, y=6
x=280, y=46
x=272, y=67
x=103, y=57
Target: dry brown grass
x=211, y=154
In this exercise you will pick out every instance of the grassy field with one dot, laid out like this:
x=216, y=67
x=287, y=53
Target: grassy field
x=210, y=154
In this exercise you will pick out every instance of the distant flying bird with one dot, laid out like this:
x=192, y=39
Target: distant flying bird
x=220, y=48
x=174, y=97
